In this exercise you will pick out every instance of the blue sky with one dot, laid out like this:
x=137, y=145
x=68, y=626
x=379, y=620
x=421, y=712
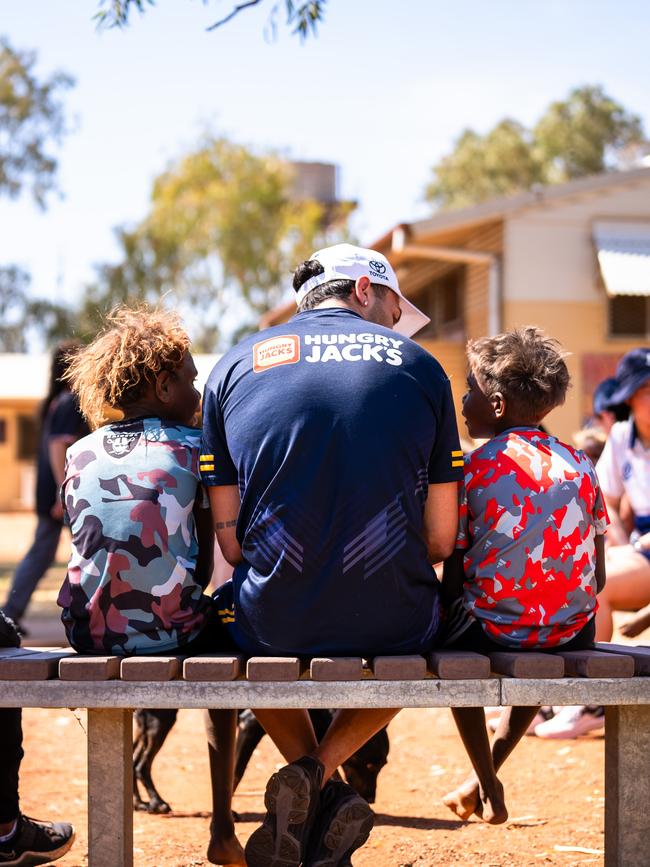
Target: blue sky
x=383, y=92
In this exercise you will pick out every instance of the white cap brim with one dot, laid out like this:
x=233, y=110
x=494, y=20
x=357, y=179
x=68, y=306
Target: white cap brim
x=411, y=320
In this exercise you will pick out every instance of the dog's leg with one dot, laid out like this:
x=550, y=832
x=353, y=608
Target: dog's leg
x=138, y=749
x=158, y=724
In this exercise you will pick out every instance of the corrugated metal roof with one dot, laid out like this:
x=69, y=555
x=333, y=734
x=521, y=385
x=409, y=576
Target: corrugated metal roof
x=623, y=250
x=25, y=376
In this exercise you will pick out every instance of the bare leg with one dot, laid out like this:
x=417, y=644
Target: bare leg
x=627, y=587
x=350, y=730
x=466, y=799
x=224, y=847
x=290, y=729
x=293, y=734
x=473, y=731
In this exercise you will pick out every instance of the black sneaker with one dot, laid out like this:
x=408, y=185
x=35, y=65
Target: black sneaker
x=343, y=825
x=292, y=799
x=36, y=843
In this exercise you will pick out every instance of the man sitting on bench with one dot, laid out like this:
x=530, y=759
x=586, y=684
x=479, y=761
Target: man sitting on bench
x=331, y=455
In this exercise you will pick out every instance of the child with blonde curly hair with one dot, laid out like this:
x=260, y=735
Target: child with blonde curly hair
x=142, y=536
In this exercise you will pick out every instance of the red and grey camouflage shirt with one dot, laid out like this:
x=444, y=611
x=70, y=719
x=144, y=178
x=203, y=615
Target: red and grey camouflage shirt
x=531, y=508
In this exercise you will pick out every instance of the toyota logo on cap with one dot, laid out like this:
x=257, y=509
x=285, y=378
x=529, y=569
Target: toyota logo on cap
x=379, y=267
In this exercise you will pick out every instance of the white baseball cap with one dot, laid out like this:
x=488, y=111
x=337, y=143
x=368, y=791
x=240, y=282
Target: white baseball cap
x=347, y=262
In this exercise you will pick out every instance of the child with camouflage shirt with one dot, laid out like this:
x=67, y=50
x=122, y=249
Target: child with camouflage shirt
x=529, y=556
x=142, y=535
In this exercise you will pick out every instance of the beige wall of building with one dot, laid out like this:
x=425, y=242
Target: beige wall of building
x=17, y=473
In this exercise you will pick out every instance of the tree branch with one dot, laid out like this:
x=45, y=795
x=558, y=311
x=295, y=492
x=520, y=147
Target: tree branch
x=232, y=14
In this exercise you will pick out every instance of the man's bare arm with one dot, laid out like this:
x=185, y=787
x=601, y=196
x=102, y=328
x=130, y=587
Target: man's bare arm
x=441, y=520
x=225, y=504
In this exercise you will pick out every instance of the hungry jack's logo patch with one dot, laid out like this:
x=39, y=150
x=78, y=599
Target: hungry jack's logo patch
x=276, y=351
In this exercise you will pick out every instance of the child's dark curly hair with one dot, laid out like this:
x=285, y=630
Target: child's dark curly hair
x=525, y=366
x=114, y=370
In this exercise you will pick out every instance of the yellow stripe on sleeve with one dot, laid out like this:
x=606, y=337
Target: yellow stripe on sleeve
x=206, y=458
x=457, y=454
x=458, y=463
x=206, y=467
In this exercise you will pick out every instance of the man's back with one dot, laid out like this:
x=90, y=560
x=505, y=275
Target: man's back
x=332, y=427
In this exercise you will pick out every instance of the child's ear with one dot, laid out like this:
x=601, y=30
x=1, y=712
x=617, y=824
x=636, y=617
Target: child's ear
x=498, y=402
x=163, y=382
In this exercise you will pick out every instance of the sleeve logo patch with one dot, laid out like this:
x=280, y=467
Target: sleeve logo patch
x=276, y=351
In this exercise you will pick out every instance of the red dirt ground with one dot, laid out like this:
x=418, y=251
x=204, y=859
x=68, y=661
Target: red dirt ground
x=554, y=791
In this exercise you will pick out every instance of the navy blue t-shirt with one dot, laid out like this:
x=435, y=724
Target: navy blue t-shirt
x=333, y=428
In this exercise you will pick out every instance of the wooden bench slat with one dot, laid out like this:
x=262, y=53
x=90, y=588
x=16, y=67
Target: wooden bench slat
x=527, y=665
x=273, y=668
x=213, y=667
x=594, y=663
x=412, y=667
x=89, y=668
x=336, y=668
x=156, y=669
x=41, y=665
x=459, y=665
x=639, y=653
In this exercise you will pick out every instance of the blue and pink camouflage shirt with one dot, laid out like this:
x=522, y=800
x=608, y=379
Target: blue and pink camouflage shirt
x=129, y=492
x=530, y=510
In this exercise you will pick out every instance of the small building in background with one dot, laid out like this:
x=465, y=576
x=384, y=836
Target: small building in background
x=573, y=259
x=23, y=384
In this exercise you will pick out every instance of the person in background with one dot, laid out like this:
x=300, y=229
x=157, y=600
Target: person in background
x=23, y=841
x=624, y=474
x=61, y=424
x=605, y=412
x=624, y=470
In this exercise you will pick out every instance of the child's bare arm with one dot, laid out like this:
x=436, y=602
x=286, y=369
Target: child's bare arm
x=453, y=577
x=205, y=538
x=601, y=575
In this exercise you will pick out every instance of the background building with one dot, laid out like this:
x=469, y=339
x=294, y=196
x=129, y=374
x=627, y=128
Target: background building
x=573, y=259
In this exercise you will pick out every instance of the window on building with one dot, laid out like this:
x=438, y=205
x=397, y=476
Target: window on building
x=442, y=301
x=629, y=316
x=3, y=430
x=27, y=444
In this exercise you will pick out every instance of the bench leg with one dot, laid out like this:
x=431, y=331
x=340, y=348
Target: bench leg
x=627, y=785
x=110, y=788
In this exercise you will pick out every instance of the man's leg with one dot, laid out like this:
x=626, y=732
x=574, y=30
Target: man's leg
x=221, y=729
x=513, y=724
x=290, y=729
x=292, y=794
x=293, y=734
x=33, y=566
